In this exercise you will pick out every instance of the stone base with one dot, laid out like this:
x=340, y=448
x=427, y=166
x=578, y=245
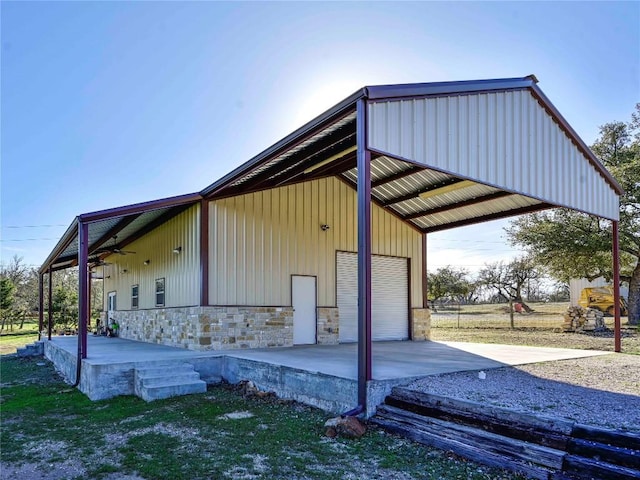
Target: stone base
x=328, y=325
x=209, y=328
x=420, y=324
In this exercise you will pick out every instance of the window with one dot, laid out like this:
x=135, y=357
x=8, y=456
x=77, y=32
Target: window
x=160, y=292
x=134, y=297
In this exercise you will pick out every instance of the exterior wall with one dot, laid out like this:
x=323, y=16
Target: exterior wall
x=210, y=328
x=420, y=324
x=503, y=139
x=181, y=272
x=258, y=240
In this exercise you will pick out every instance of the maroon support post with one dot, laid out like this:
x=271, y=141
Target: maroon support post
x=83, y=254
x=616, y=285
x=40, y=304
x=364, y=255
x=50, y=306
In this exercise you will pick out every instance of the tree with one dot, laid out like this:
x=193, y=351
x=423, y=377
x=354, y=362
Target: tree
x=508, y=280
x=7, y=290
x=448, y=282
x=571, y=244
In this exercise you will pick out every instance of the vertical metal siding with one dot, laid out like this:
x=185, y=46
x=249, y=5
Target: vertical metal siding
x=258, y=240
x=504, y=139
x=181, y=272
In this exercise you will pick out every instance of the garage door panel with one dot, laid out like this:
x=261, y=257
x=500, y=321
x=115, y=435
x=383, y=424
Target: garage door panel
x=390, y=297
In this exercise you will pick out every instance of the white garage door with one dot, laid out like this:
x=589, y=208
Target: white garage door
x=390, y=297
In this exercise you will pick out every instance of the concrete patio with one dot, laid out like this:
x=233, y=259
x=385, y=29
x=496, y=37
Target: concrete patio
x=320, y=375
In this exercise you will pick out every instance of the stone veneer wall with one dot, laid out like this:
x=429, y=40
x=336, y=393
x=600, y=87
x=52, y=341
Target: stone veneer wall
x=209, y=328
x=420, y=324
x=328, y=326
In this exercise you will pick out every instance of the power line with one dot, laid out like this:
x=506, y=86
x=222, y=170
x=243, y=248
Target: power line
x=26, y=239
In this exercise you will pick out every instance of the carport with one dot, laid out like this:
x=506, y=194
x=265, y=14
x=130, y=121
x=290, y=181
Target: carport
x=439, y=156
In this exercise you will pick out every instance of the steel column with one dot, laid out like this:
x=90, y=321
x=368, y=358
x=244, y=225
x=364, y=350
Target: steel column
x=50, y=301
x=425, y=285
x=364, y=255
x=83, y=254
x=616, y=285
x=40, y=304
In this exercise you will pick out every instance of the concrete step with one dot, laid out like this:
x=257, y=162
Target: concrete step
x=171, y=380
x=35, y=349
x=172, y=389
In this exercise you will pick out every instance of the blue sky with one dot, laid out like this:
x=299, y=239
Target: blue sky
x=112, y=103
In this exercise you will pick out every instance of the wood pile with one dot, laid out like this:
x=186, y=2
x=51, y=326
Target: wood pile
x=579, y=319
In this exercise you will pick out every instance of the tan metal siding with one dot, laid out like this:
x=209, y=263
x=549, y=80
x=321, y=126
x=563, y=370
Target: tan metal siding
x=258, y=240
x=503, y=139
x=181, y=272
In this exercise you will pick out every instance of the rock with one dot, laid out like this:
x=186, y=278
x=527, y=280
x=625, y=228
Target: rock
x=349, y=427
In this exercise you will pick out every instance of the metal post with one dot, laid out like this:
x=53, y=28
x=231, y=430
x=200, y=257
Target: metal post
x=83, y=254
x=616, y=285
x=40, y=304
x=364, y=255
x=425, y=286
x=50, y=309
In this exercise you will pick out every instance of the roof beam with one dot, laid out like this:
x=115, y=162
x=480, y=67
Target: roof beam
x=379, y=203
x=492, y=216
x=396, y=176
x=417, y=193
x=155, y=224
x=126, y=221
x=453, y=206
x=305, y=158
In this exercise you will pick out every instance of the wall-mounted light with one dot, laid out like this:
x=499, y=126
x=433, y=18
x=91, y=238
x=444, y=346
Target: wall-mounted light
x=124, y=270
x=146, y=262
x=324, y=227
x=177, y=250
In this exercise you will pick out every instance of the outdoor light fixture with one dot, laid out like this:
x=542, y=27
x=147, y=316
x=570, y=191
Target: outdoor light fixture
x=325, y=227
x=177, y=250
x=147, y=262
x=447, y=188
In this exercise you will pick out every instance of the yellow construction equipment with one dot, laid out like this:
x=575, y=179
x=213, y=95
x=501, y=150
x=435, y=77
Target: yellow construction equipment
x=601, y=298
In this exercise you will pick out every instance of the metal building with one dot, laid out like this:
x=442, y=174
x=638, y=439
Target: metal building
x=321, y=237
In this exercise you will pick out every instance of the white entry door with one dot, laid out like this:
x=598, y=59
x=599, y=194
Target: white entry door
x=389, y=292
x=303, y=294
x=111, y=305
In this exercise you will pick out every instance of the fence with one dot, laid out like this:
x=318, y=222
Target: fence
x=546, y=316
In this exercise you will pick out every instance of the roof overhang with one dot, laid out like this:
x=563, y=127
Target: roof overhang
x=502, y=143
x=114, y=229
x=444, y=155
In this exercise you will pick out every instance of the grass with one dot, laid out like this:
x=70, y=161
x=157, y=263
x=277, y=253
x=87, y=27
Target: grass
x=47, y=428
x=12, y=339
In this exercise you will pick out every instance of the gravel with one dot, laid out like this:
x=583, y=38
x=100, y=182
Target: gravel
x=600, y=391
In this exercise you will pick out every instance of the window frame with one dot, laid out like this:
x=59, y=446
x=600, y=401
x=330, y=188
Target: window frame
x=135, y=299
x=160, y=281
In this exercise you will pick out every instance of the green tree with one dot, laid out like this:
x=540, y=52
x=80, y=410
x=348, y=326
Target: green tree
x=7, y=300
x=575, y=245
x=448, y=282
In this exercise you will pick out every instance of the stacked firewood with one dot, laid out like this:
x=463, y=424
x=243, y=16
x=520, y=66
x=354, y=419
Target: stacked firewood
x=578, y=319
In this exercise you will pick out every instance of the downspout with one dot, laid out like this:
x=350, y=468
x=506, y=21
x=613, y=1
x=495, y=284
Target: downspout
x=616, y=285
